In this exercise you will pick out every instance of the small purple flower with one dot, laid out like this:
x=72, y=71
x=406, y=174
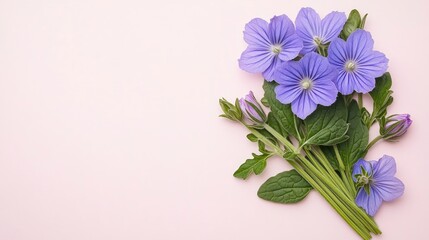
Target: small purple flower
x=269, y=45
x=314, y=31
x=306, y=83
x=357, y=63
x=252, y=110
x=377, y=183
x=396, y=126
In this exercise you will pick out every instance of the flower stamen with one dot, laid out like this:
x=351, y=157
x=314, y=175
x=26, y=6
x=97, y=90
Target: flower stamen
x=306, y=83
x=276, y=49
x=350, y=66
x=317, y=41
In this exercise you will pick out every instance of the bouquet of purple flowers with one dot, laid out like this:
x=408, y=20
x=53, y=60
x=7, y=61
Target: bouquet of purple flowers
x=316, y=73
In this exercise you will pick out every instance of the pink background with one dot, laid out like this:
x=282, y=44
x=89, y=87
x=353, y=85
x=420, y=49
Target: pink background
x=109, y=127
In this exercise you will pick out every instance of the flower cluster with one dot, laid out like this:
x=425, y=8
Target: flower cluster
x=341, y=66
x=317, y=71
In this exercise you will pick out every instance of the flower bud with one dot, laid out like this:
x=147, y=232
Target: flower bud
x=231, y=111
x=252, y=110
x=396, y=126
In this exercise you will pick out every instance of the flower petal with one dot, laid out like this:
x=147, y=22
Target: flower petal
x=268, y=74
x=359, y=43
x=289, y=74
x=323, y=93
x=256, y=33
x=255, y=60
x=291, y=47
x=308, y=26
x=389, y=188
x=345, y=83
x=280, y=28
x=362, y=83
x=337, y=53
x=357, y=168
x=287, y=94
x=303, y=106
x=385, y=167
x=371, y=203
x=332, y=25
x=317, y=68
x=374, y=63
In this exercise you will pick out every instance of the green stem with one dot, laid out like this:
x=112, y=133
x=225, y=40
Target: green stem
x=374, y=141
x=328, y=195
x=360, y=100
x=350, y=203
x=282, y=139
x=347, y=181
x=329, y=171
x=334, y=202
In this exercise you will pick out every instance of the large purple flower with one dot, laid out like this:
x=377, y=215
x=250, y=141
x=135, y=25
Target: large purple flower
x=269, y=45
x=357, y=63
x=314, y=31
x=377, y=182
x=306, y=83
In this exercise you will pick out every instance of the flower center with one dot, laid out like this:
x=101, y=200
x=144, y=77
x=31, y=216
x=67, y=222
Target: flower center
x=306, y=83
x=276, y=49
x=350, y=66
x=363, y=180
x=317, y=41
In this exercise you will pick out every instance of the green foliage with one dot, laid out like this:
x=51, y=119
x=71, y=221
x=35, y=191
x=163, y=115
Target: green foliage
x=327, y=125
x=254, y=165
x=230, y=111
x=381, y=95
x=285, y=187
x=353, y=22
x=330, y=155
x=281, y=112
x=353, y=149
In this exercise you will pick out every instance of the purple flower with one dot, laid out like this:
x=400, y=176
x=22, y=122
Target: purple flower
x=357, y=63
x=314, y=31
x=377, y=183
x=252, y=110
x=269, y=45
x=396, y=126
x=306, y=83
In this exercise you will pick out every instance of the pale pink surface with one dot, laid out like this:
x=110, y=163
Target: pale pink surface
x=108, y=126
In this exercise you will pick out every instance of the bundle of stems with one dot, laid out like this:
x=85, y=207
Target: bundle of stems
x=337, y=188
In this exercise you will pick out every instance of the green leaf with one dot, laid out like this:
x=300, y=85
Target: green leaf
x=252, y=137
x=254, y=165
x=281, y=112
x=327, y=125
x=285, y=187
x=353, y=149
x=352, y=23
x=381, y=95
x=275, y=124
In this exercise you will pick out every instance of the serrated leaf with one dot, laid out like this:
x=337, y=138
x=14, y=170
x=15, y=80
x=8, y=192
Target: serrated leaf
x=254, y=165
x=327, y=125
x=281, y=112
x=261, y=148
x=285, y=187
x=381, y=95
x=352, y=150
